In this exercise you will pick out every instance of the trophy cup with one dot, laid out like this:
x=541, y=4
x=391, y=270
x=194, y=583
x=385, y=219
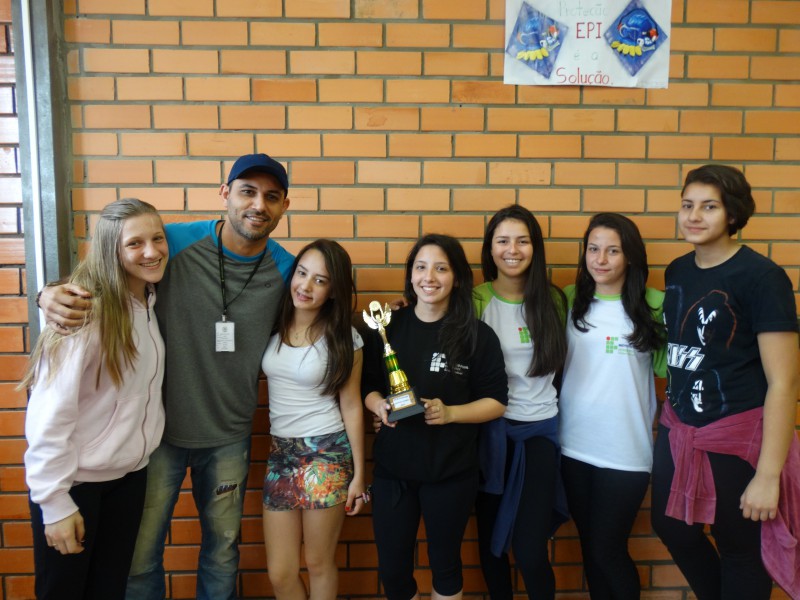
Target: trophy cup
x=402, y=397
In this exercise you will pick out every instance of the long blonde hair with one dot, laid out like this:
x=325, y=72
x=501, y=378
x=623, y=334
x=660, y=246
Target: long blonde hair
x=101, y=273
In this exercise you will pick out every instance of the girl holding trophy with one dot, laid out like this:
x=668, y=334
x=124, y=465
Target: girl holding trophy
x=315, y=473
x=426, y=465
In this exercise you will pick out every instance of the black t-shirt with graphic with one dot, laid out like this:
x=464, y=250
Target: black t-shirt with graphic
x=413, y=450
x=713, y=317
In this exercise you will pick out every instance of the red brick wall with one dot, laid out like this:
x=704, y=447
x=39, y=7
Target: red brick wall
x=393, y=120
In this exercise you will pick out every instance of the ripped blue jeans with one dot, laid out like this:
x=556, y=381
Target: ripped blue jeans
x=218, y=484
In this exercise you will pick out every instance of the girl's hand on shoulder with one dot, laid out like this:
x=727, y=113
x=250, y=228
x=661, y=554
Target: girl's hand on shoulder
x=437, y=412
x=357, y=497
x=66, y=535
x=759, y=502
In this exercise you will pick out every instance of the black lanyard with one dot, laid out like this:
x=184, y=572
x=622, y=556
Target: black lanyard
x=225, y=303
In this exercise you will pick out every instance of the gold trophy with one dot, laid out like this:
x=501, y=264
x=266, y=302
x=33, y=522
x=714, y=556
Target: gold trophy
x=402, y=397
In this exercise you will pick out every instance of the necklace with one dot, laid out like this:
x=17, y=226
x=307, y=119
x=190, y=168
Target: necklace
x=298, y=337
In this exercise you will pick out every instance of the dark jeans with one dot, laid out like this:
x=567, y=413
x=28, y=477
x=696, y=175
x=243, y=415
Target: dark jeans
x=731, y=571
x=111, y=512
x=445, y=507
x=532, y=527
x=604, y=503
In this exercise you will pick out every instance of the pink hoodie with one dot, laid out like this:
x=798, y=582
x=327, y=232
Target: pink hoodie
x=79, y=431
x=693, y=496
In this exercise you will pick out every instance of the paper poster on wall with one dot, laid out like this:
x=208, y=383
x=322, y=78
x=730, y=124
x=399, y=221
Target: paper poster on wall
x=614, y=43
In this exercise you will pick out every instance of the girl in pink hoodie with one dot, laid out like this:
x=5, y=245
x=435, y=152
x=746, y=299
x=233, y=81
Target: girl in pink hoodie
x=95, y=413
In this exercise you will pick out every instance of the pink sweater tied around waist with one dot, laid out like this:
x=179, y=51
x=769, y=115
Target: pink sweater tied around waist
x=693, y=497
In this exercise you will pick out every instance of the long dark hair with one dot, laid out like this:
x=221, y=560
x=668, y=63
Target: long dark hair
x=334, y=317
x=648, y=334
x=458, y=335
x=540, y=298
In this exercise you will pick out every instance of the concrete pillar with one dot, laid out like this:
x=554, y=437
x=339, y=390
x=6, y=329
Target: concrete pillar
x=45, y=153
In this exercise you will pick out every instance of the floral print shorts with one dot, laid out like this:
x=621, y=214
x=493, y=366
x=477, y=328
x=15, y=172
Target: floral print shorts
x=307, y=473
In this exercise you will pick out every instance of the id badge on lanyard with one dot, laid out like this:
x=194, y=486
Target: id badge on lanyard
x=225, y=330
x=226, y=336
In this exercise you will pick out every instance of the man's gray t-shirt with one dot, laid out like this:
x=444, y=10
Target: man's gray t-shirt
x=210, y=396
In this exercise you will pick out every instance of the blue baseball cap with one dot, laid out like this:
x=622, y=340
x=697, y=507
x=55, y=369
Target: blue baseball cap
x=261, y=163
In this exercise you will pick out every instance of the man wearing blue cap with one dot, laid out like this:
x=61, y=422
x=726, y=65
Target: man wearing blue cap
x=216, y=307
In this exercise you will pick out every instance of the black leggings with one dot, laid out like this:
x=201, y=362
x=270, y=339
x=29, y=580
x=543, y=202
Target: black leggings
x=734, y=570
x=532, y=527
x=111, y=512
x=604, y=504
x=445, y=507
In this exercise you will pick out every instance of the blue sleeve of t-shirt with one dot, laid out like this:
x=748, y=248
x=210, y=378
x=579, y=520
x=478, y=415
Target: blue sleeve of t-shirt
x=182, y=235
x=283, y=259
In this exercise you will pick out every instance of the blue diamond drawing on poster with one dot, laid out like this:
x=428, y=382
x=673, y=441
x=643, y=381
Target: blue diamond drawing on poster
x=635, y=36
x=536, y=40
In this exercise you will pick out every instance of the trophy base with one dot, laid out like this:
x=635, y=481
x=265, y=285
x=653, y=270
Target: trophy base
x=404, y=404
